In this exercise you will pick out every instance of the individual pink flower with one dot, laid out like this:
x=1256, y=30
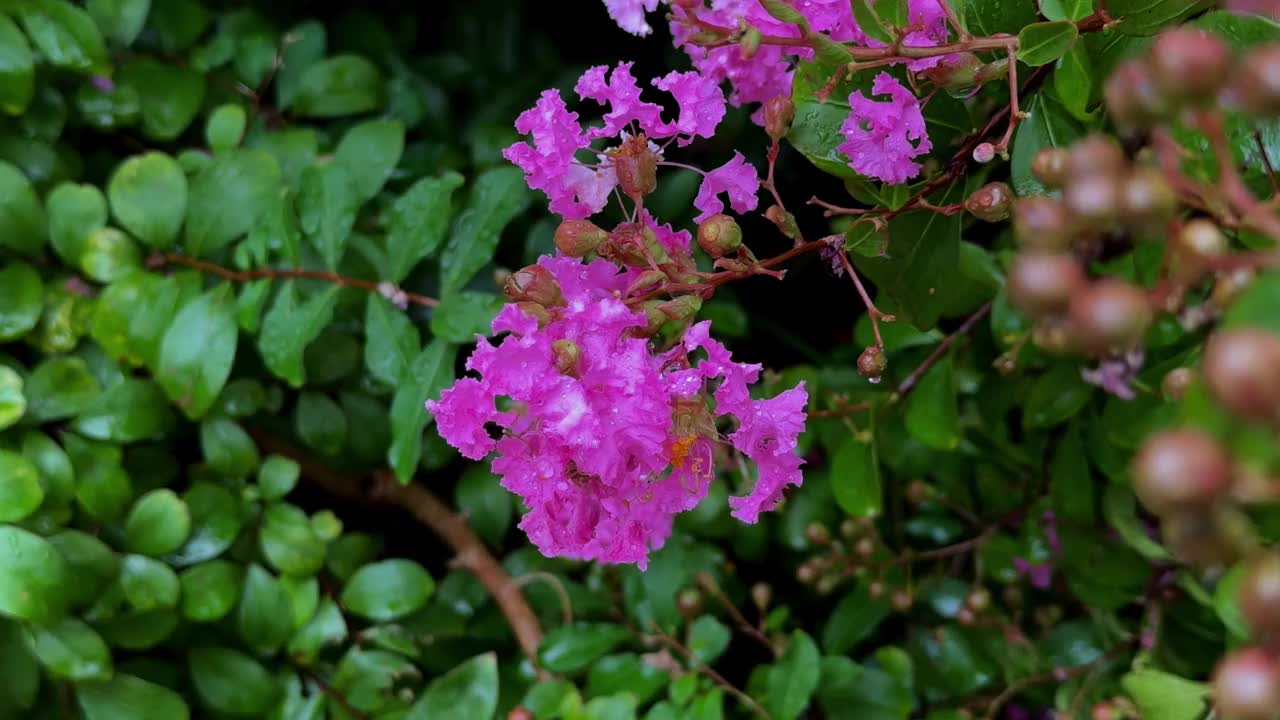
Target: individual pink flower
x=629, y=14
x=701, y=104
x=549, y=164
x=883, y=137
x=604, y=440
x=737, y=179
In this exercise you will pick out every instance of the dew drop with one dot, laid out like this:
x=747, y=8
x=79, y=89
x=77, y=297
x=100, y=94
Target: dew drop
x=874, y=380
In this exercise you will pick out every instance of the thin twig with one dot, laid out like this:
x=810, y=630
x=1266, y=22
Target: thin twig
x=333, y=693
x=698, y=666
x=388, y=290
x=1059, y=675
x=909, y=382
x=708, y=583
x=431, y=511
x=872, y=311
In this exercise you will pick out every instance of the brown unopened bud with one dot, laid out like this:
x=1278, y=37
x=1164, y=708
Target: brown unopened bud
x=1175, y=383
x=978, y=600
x=865, y=548
x=1149, y=199
x=1246, y=685
x=779, y=113
x=965, y=617
x=1040, y=223
x=1110, y=316
x=902, y=600
x=749, y=43
x=960, y=71
x=1202, y=239
x=1259, y=594
x=689, y=602
x=807, y=573
x=1133, y=98
x=1049, y=166
x=1093, y=201
x=1228, y=285
x=567, y=354
x=648, y=278
x=872, y=363
x=1042, y=284
x=761, y=595
x=991, y=202
x=1242, y=369
x=1190, y=65
x=635, y=245
x=785, y=221
x=719, y=235
x=576, y=238
x=1180, y=470
x=817, y=534
x=1095, y=155
x=520, y=713
x=876, y=589
x=536, y=284
x=1206, y=537
x=1257, y=83
x=636, y=167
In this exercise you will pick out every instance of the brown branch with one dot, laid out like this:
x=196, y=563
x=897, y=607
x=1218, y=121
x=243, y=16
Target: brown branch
x=392, y=292
x=431, y=511
x=1058, y=675
x=701, y=667
x=333, y=694
x=909, y=382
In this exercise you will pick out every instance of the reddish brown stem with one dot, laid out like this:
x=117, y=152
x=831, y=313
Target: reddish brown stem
x=388, y=290
x=872, y=311
x=909, y=382
x=470, y=552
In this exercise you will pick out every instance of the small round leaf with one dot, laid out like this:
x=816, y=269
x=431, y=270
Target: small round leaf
x=158, y=524
x=388, y=590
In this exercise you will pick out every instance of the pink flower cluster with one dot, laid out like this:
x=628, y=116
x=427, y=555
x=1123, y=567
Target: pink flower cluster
x=604, y=439
x=874, y=149
x=578, y=188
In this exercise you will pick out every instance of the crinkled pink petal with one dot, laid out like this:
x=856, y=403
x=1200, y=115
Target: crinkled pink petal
x=549, y=163
x=618, y=90
x=629, y=14
x=461, y=414
x=701, y=105
x=737, y=178
x=768, y=435
x=879, y=135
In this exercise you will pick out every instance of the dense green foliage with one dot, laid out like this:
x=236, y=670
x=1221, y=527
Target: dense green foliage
x=240, y=248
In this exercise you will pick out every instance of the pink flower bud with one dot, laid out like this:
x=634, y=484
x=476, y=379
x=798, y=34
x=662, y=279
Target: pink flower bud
x=779, y=112
x=636, y=167
x=576, y=238
x=533, y=284
x=984, y=153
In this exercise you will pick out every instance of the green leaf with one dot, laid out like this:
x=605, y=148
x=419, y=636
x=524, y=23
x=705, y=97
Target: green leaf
x=263, y=602
x=321, y=424
x=90, y=565
x=1056, y=396
x=793, y=679
x=13, y=404
x=1073, y=83
x=419, y=221
x=125, y=697
x=75, y=212
x=1071, y=487
x=215, y=523
x=626, y=675
x=33, y=577
x=129, y=411
x=918, y=267
x=119, y=20
x=210, y=590
x=1163, y=696
x=1255, y=307
x=1146, y=17
x=148, y=195
x=468, y=691
x=855, y=478
x=461, y=316
x=228, y=449
x=158, y=524
x=225, y=127
x=103, y=488
x=431, y=372
x=17, y=69
x=338, y=86
x=487, y=505
x=496, y=198
x=369, y=152
x=988, y=17
x=231, y=682
x=1042, y=43
x=572, y=647
x=1048, y=126
x=288, y=541
x=392, y=341
x=197, y=351
x=133, y=313
x=1066, y=9
x=64, y=35
x=277, y=476
x=148, y=584
x=70, y=649
x=931, y=415
x=708, y=639
x=108, y=255
x=1226, y=602
x=387, y=590
x=327, y=210
x=170, y=96
x=247, y=180
x=21, y=299
x=307, y=49
x=22, y=223
x=854, y=618
x=290, y=326
x=59, y=388
x=1121, y=513
x=20, y=491
x=326, y=627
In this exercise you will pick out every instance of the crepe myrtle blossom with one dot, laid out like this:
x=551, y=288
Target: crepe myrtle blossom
x=883, y=137
x=604, y=437
x=578, y=181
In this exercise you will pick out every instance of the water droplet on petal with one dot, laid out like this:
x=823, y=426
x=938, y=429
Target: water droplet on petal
x=874, y=380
